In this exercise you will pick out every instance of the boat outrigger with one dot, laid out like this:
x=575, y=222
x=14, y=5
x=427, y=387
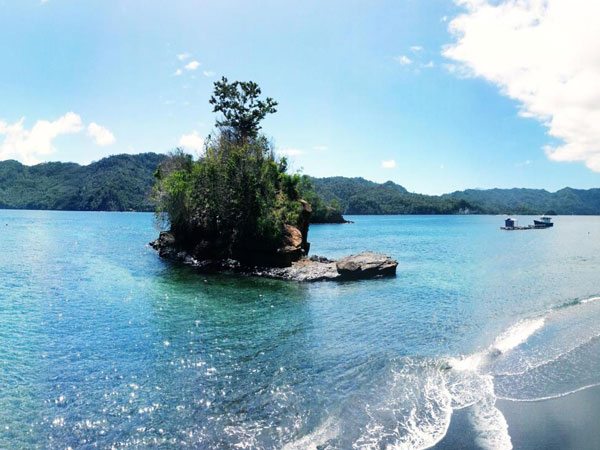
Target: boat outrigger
x=511, y=224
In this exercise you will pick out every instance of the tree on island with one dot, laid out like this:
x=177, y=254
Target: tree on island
x=241, y=108
x=236, y=200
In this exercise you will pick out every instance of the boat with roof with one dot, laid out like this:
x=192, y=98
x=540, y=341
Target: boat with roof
x=511, y=224
x=543, y=222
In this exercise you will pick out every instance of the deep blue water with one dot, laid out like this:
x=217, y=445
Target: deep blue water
x=104, y=345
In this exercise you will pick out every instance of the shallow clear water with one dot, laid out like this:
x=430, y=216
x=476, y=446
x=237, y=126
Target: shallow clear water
x=103, y=344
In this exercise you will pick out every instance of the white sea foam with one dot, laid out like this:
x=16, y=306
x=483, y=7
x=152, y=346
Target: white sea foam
x=416, y=404
x=469, y=363
x=467, y=382
x=550, y=397
x=488, y=422
x=415, y=412
x=508, y=340
x=471, y=386
x=552, y=359
x=517, y=334
x=590, y=300
x=328, y=430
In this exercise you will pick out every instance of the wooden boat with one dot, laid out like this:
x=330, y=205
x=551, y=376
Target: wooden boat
x=543, y=222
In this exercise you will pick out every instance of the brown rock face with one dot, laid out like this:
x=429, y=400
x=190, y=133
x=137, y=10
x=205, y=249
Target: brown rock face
x=304, y=223
x=292, y=237
x=366, y=265
x=292, y=249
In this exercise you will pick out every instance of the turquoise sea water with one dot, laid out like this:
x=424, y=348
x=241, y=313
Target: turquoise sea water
x=104, y=345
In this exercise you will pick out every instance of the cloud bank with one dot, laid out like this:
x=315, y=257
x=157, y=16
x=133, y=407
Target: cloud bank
x=102, y=136
x=32, y=146
x=545, y=54
x=192, y=141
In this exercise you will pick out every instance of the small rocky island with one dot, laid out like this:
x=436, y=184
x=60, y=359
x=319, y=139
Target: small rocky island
x=236, y=209
x=315, y=268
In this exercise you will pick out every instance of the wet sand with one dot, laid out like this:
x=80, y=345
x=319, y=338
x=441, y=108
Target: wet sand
x=569, y=422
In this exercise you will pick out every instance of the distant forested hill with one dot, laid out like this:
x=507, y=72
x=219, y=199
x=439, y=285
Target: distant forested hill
x=360, y=196
x=116, y=183
x=124, y=182
x=532, y=201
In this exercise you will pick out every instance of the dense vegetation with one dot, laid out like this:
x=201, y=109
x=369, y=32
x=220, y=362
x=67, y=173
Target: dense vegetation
x=116, y=183
x=532, y=201
x=323, y=211
x=360, y=196
x=124, y=183
x=237, y=198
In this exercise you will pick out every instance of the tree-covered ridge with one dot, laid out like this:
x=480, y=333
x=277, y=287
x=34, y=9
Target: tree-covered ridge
x=123, y=183
x=566, y=201
x=116, y=183
x=360, y=196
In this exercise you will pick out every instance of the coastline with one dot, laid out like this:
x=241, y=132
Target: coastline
x=567, y=422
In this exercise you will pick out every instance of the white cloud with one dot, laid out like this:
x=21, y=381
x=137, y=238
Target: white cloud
x=178, y=72
x=403, y=60
x=183, y=56
x=102, y=136
x=416, y=48
x=320, y=148
x=192, y=141
x=428, y=65
x=29, y=146
x=545, y=54
x=290, y=152
x=208, y=73
x=525, y=163
x=388, y=164
x=192, y=65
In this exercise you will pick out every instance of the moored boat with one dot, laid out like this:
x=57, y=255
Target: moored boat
x=511, y=224
x=543, y=222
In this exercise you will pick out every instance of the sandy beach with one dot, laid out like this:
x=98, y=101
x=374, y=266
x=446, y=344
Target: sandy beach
x=569, y=422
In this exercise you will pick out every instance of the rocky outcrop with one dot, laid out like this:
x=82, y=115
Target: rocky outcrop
x=165, y=245
x=366, y=265
x=292, y=248
x=355, y=267
x=362, y=266
x=305, y=216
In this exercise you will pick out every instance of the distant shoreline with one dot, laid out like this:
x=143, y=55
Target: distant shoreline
x=124, y=183
x=315, y=223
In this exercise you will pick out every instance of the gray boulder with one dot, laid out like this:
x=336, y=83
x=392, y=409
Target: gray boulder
x=366, y=265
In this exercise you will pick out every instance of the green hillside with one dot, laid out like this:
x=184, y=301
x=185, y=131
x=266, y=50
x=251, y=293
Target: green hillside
x=124, y=182
x=360, y=196
x=116, y=183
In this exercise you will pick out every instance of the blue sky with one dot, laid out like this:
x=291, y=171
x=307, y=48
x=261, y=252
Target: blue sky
x=364, y=88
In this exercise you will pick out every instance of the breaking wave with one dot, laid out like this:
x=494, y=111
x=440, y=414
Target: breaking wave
x=421, y=394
